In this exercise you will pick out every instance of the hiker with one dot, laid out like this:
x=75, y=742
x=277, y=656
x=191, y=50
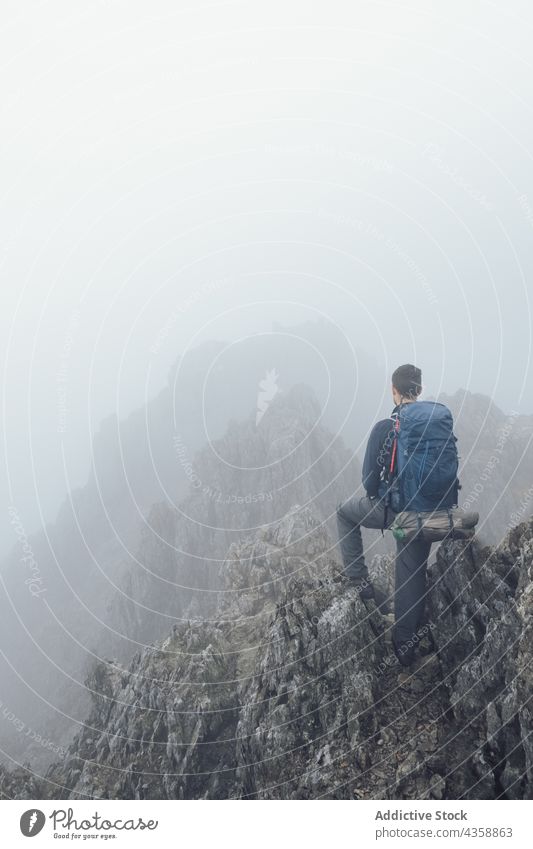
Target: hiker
x=410, y=464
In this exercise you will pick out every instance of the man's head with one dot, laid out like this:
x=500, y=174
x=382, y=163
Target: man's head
x=406, y=384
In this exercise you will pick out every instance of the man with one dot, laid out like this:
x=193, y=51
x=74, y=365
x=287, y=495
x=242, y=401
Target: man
x=375, y=510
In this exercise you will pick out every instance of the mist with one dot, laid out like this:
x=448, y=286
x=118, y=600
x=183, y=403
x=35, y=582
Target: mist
x=222, y=171
x=223, y=226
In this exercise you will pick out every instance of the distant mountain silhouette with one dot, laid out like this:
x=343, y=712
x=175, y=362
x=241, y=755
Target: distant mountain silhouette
x=181, y=479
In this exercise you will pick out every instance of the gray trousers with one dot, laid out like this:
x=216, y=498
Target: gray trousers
x=410, y=564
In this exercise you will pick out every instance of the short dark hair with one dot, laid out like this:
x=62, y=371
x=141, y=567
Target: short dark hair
x=407, y=380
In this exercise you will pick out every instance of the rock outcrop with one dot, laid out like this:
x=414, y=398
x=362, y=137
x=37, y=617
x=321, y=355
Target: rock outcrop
x=292, y=690
x=121, y=596
x=481, y=606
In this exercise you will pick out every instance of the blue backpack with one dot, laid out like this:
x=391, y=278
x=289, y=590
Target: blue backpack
x=425, y=460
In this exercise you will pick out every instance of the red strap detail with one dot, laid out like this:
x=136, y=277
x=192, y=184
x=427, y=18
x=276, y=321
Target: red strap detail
x=394, y=447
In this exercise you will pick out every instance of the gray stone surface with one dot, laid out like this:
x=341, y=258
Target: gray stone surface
x=291, y=691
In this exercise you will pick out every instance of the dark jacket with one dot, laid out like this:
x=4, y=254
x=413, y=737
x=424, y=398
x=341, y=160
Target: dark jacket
x=378, y=456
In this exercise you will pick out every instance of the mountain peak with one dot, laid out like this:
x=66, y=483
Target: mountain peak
x=292, y=691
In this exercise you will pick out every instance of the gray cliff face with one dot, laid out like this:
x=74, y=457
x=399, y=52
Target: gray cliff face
x=104, y=601
x=215, y=704
x=482, y=607
x=292, y=691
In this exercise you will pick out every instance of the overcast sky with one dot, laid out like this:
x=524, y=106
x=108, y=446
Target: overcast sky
x=174, y=172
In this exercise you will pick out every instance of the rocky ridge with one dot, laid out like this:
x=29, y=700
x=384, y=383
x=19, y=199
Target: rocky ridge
x=292, y=691
x=119, y=598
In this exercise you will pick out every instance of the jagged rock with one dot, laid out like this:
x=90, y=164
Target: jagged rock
x=116, y=590
x=484, y=635
x=291, y=690
x=240, y=700
x=20, y=783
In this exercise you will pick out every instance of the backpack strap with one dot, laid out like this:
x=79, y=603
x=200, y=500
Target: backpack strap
x=391, y=470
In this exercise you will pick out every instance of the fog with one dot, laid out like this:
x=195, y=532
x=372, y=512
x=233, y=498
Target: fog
x=173, y=174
